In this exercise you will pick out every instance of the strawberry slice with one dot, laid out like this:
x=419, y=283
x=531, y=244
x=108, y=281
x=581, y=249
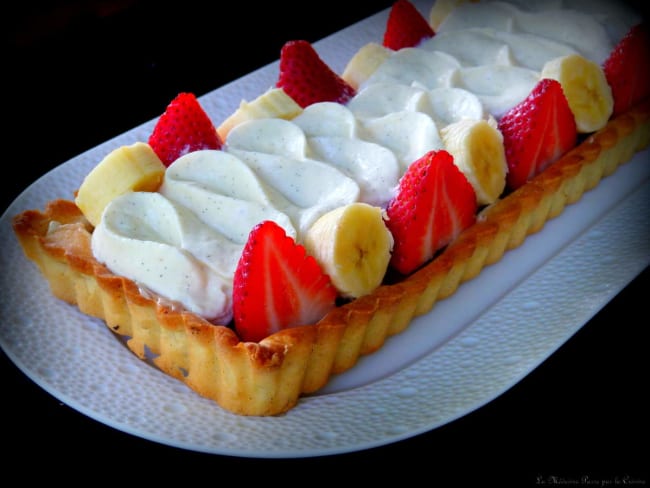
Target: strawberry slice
x=277, y=285
x=627, y=69
x=537, y=131
x=406, y=27
x=306, y=78
x=433, y=204
x=183, y=128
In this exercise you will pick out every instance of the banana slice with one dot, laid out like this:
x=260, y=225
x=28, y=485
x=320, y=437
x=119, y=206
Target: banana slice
x=477, y=148
x=353, y=246
x=274, y=103
x=586, y=89
x=364, y=63
x=440, y=10
x=127, y=168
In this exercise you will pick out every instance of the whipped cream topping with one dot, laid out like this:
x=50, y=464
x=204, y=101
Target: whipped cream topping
x=184, y=241
x=300, y=187
x=581, y=31
x=497, y=50
x=165, y=248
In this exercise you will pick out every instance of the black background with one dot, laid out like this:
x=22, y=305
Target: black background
x=80, y=73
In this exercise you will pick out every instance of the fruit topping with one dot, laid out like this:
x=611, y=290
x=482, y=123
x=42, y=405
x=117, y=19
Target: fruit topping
x=477, y=148
x=365, y=62
x=537, y=131
x=406, y=27
x=125, y=169
x=277, y=285
x=441, y=10
x=353, y=245
x=183, y=128
x=306, y=78
x=273, y=103
x=585, y=88
x=433, y=204
x=628, y=68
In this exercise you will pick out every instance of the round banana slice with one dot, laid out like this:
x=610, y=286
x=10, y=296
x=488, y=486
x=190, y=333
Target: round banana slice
x=364, y=63
x=273, y=103
x=440, y=10
x=127, y=168
x=477, y=148
x=353, y=246
x=586, y=89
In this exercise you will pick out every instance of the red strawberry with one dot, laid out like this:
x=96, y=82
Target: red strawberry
x=434, y=202
x=277, y=285
x=306, y=78
x=537, y=131
x=406, y=27
x=627, y=68
x=183, y=128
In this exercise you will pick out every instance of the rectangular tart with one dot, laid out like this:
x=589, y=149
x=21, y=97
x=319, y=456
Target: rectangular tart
x=269, y=377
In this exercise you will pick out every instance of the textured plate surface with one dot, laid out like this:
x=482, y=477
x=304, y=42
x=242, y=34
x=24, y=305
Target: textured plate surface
x=467, y=351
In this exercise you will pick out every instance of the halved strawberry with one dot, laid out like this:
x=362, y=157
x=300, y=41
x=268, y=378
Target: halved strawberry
x=306, y=78
x=183, y=128
x=537, y=131
x=627, y=68
x=277, y=285
x=433, y=204
x=406, y=27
